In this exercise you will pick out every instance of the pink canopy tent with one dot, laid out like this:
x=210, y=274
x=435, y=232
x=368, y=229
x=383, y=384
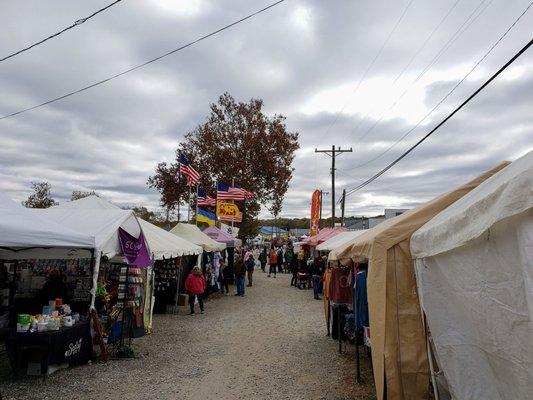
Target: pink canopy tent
x=323, y=235
x=222, y=237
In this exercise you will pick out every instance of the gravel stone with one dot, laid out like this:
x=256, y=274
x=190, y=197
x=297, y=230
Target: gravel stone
x=270, y=344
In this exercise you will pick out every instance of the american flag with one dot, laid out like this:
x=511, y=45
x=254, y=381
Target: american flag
x=237, y=193
x=185, y=169
x=223, y=192
x=205, y=200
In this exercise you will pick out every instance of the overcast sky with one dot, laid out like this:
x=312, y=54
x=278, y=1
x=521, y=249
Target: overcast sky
x=305, y=58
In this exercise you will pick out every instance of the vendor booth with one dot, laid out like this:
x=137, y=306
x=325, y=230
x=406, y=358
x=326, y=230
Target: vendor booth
x=160, y=283
x=193, y=234
x=172, y=256
x=222, y=237
x=120, y=274
x=45, y=290
x=338, y=240
x=399, y=355
x=323, y=235
x=474, y=269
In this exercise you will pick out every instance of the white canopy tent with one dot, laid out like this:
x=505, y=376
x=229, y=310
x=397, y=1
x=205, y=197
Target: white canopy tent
x=193, y=234
x=474, y=267
x=26, y=234
x=162, y=244
x=338, y=240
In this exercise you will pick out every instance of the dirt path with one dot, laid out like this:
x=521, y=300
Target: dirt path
x=270, y=344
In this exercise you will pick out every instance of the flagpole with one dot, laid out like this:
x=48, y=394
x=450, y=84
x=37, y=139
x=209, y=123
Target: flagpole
x=189, y=208
x=216, y=202
x=197, y=187
x=179, y=182
x=233, y=201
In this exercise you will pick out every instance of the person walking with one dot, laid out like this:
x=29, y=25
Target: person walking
x=195, y=286
x=294, y=270
x=223, y=282
x=316, y=275
x=289, y=255
x=280, y=260
x=240, y=273
x=263, y=258
x=250, y=265
x=272, y=262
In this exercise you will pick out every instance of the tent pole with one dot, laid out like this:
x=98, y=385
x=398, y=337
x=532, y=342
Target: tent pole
x=339, y=328
x=357, y=361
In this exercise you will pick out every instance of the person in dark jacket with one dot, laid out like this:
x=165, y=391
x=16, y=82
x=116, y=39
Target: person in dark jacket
x=263, y=258
x=240, y=273
x=250, y=266
x=280, y=260
x=317, y=271
x=294, y=270
x=55, y=287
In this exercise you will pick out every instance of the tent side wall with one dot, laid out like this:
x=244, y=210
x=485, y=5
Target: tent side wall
x=478, y=301
x=390, y=279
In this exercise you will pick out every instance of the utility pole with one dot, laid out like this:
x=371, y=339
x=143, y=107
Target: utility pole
x=334, y=152
x=343, y=204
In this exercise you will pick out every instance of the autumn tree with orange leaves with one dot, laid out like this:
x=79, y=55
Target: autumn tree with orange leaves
x=237, y=141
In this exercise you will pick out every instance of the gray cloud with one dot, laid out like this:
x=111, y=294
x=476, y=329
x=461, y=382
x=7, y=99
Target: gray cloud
x=111, y=137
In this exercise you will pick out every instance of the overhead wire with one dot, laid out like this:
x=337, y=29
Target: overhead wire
x=456, y=110
x=472, y=17
x=409, y=131
x=100, y=82
x=370, y=66
x=413, y=57
x=74, y=25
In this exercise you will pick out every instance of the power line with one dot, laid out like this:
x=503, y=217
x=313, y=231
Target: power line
x=371, y=65
x=451, y=91
x=397, y=160
x=75, y=24
x=413, y=57
x=143, y=64
x=472, y=17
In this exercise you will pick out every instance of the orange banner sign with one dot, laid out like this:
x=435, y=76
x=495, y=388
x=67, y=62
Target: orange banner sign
x=228, y=212
x=315, y=212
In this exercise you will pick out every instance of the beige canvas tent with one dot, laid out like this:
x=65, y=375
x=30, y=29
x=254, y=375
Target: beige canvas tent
x=399, y=353
x=193, y=234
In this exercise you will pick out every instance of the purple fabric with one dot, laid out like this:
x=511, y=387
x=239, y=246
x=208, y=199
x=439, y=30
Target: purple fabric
x=134, y=249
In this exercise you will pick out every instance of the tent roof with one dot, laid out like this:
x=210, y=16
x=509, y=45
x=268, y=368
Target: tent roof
x=162, y=244
x=271, y=230
x=193, y=234
x=216, y=234
x=507, y=193
x=102, y=224
x=397, y=229
x=90, y=202
x=21, y=227
x=338, y=240
x=323, y=235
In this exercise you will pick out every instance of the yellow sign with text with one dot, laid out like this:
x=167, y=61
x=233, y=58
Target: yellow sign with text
x=227, y=210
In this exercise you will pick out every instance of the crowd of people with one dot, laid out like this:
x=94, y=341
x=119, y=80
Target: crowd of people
x=307, y=272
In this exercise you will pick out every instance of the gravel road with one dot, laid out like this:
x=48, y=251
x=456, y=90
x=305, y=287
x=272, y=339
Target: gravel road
x=270, y=344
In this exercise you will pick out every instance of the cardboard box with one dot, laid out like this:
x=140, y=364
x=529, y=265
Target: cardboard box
x=183, y=299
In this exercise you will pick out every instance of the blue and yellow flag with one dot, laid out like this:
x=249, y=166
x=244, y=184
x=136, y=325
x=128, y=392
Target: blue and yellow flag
x=206, y=216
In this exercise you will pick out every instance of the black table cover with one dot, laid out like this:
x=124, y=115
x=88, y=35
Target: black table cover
x=67, y=345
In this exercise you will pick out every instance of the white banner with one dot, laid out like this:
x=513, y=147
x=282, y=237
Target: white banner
x=228, y=229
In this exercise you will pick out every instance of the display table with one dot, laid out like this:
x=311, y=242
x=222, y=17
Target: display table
x=72, y=345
